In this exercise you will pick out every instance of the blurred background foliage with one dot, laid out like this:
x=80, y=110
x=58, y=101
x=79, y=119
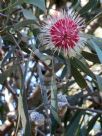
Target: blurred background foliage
x=42, y=94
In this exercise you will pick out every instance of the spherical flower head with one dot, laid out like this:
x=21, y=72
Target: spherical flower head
x=62, y=100
x=62, y=32
x=37, y=118
x=62, y=104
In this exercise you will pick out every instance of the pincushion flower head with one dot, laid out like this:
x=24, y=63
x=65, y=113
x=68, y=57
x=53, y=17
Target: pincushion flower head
x=62, y=32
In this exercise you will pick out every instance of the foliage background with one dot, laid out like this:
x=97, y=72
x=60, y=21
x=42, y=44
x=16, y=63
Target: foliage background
x=32, y=78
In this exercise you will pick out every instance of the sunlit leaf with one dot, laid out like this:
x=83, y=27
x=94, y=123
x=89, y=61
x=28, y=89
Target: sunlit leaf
x=38, y=3
x=22, y=109
x=28, y=14
x=22, y=105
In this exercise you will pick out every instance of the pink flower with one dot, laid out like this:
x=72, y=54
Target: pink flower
x=63, y=33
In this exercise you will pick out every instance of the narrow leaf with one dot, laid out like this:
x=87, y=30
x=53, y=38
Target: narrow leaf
x=99, y=82
x=89, y=56
x=74, y=123
x=54, y=104
x=77, y=63
x=98, y=51
x=22, y=104
x=22, y=109
x=39, y=3
x=24, y=23
x=78, y=77
x=91, y=124
x=28, y=14
x=89, y=6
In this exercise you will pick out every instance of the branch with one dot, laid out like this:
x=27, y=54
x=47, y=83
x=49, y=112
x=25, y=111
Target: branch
x=84, y=109
x=10, y=90
x=40, y=132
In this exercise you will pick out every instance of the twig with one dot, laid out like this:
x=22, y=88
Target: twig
x=14, y=40
x=3, y=15
x=40, y=132
x=10, y=89
x=84, y=109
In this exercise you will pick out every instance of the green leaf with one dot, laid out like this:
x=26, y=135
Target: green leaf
x=89, y=6
x=89, y=56
x=28, y=14
x=54, y=123
x=39, y=3
x=64, y=71
x=83, y=131
x=95, y=14
x=98, y=41
x=1, y=107
x=91, y=124
x=78, y=77
x=99, y=82
x=22, y=105
x=74, y=123
x=54, y=103
x=40, y=55
x=79, y=132
x=77, y=63
x=24, y=23
x=68, y=65
x=22, y=109
x=97, y=49
x=76, y=4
